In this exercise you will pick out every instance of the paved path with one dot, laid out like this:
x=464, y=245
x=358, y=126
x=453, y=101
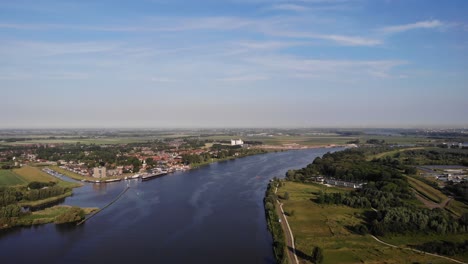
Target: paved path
x=292, y=256
x=419, y=251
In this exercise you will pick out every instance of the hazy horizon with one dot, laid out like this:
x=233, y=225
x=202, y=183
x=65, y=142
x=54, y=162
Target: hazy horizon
x=234, y=63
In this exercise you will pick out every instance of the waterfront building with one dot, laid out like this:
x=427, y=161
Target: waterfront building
x=99, y=172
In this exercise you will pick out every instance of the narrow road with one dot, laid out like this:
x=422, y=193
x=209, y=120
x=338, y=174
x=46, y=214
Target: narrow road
x=419, y=251
x=292, y=256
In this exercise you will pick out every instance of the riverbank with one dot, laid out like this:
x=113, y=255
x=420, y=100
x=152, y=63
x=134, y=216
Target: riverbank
x=273, y=223
x=47, y=201
x=59, y=214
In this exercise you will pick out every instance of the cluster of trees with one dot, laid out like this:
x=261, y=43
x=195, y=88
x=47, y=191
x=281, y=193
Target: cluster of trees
x=39, y=185
x=11, y=210
x=219, y=153
x=412, y=219
x=192, y=144
x=433, y=157
x=39, y=194
x=73, y=215
x=375, y=141
x=9, y=195
x=196, y=159
x=444, y=247
x=348, y=165
x=459, y=190
x=317, y=255
x=279, y=244
x=386, y=190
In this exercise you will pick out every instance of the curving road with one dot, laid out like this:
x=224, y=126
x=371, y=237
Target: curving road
x=292, y=256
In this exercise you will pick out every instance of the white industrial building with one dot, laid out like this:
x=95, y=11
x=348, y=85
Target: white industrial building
x=237, y=142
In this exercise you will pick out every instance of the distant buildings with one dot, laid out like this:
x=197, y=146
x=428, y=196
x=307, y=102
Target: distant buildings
x=353, y=185
x=99, y=172
x=339, y=183
x=237, y=142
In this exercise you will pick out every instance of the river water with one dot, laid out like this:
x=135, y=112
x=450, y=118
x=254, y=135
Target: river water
x=212, y=214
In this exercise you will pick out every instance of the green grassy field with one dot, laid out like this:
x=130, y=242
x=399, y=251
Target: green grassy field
x=27, y=174
x=326, y=226
x=9, y=178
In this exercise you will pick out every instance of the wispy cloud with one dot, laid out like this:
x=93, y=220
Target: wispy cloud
x=324, y=69
x=29, y=49
x=161, y=79
x=155, y=24
x=344, y=40
x=269, y=45
x=243, y=78
x=418, y=25
x=289, y=7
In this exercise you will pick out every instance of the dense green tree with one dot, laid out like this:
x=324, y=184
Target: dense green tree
x=72, y=215
x=317, y=255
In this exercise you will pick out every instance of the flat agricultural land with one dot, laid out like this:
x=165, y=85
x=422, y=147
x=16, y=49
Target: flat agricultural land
x=29, y=174
x=320, y=140
x=97, y=141
x=9, y=178
x=326, y=226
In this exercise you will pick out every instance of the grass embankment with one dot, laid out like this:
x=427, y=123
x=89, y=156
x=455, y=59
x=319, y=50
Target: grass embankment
x=439, y=199
x=425, y=190
x=48, y=215
x=70, y=174
x=327, y=226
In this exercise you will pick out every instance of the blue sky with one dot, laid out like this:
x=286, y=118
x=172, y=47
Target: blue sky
x=234, y=63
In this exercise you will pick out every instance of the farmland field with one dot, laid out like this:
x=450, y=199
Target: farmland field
x=9, y=178
x=29, y=174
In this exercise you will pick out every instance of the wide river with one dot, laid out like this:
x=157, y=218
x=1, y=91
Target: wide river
x=213, y=214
